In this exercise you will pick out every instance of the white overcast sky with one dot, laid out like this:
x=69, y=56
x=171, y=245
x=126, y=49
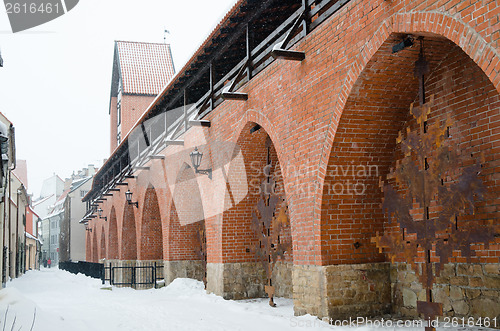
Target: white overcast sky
x=55, y=83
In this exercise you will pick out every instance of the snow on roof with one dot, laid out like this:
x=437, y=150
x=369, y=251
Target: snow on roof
x=76, y=184
x=145, y=67
x=35, y=203
x=58, y=207
x=28, y=235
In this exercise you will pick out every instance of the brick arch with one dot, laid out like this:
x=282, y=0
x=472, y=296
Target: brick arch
x=463, y=35
x=151, y=246
x=102, y=253
x=112, y=235
x=95, y=254
x=186, y=212
x=236, y=234
x=364, y=148
x=129, y=235
x=88, y=246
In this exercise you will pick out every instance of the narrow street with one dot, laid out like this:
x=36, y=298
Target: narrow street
x=65, y=301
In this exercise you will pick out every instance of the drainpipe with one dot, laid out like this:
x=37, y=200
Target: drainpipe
x=10, y=225
x=16, y=273
x=12, y=142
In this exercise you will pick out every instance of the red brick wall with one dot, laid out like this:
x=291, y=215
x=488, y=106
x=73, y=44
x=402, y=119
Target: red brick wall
x=88, y=247
x=95, y=253
x=133, y=106
x=151, y=233
x=376, y=110
x=238, y=238
x=347, y=100
x=129, y=236
x=112, y=235
x=183, y=228
x=102, y=253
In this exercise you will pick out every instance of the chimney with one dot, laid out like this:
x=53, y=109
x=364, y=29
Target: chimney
x=67, y=183
x=91, y=170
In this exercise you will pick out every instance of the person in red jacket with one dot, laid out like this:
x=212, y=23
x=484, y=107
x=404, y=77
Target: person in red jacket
x=49, y=262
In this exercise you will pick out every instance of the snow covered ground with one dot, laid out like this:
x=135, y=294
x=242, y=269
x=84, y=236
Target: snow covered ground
x=62, y=301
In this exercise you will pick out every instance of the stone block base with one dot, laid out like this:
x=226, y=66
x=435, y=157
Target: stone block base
x=342, y=291
x=247, y=279
x=183, y=269
x=465, y=290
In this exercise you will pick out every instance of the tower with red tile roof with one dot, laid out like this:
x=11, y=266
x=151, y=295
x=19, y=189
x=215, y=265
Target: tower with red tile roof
x=140, y=72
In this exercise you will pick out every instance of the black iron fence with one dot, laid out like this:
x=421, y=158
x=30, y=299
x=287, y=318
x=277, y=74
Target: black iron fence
x=133, y=276
x=94, y=270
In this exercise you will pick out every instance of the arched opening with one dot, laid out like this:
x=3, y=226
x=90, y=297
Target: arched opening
x=187, y=255
x=88, y=247
x=365, y=152
x=129, y=237
x=95, y=253
x=102, y=254
x=151, y=234
x=113, y=235
x=244, y=232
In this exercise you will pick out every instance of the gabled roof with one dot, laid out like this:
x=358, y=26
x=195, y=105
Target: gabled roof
x=145, y=68
x=58, y=206
x=37, y=202
x=77, y=183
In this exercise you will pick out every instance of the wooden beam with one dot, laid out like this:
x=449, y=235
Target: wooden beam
x=237, y=33
x=121, y=183
x=203, y=123
x=174, y=142
x=141, y=168
x=280, y=53
x=238, y=96
x=157, y=157
x=279, y=50
x=114, y=190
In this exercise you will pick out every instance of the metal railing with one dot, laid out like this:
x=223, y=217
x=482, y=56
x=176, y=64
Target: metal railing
x=94, y=270
x=149, y=137
x=133, y=276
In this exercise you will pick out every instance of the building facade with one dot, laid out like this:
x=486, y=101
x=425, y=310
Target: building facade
x=52, y=189
x=323, y=98
x=140, y=71
x=72, y=234
x=33, y=245
x=13, y=207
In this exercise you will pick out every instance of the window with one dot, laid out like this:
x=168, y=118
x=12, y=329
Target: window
x=119, y=112
x=83, y=193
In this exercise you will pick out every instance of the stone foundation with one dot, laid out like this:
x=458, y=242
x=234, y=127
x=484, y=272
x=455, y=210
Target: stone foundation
x=465, y=290
x=246, y=280
x=342, y=291
x=183, y=269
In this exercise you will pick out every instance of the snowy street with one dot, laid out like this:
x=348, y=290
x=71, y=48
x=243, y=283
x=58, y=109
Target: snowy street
x=64, y=301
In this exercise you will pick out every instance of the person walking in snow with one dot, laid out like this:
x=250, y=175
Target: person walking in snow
x=49, y=262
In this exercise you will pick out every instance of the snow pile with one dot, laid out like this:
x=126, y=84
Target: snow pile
x=63, y=301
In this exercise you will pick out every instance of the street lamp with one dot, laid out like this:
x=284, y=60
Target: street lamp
x=196, y=157
x=99, y=211
x=128, y=196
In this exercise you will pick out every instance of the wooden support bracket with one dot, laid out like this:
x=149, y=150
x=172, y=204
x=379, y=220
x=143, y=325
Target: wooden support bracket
x=228, y=93
x=279, y=50
x=203, y=123
x=174, y=142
